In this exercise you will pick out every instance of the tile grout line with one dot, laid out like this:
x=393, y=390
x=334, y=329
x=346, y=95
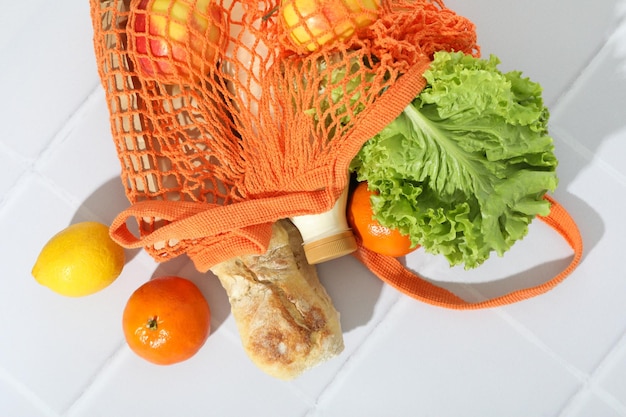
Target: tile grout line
x=92, y=383
x=348, y=364
x=564, y=97
x=22, y=160
x=588, y=381
x=14, y=154
x=587, y=68
x=27, y=393
x=57, y=138
x=589, y=155
x=66, y=196
x=569, y=87
x=591, y=385
x=531, y=337
x=610, y=400
x=108, y=363
x=72, y=121
x=101, y=372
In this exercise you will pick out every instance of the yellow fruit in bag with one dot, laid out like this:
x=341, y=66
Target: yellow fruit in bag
x=312, y=23
x=80, y=260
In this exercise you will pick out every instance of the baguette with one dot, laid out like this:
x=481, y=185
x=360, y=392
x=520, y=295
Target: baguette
x=285, y=318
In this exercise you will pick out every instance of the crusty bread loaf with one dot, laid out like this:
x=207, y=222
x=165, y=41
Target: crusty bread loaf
x=285, y=318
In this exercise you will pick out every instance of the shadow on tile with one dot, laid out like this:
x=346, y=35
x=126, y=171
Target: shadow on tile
x=592, y=114
x=108, y=200
x=588, y=220
x=594, y=108
x=355, y=301
x=103, y=205
x=352, y=288
x=476, y=292
x=207, y=283
x=591, y=228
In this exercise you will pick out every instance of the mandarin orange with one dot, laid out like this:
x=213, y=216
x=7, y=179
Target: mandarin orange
x=373, y=235
x=166, y=320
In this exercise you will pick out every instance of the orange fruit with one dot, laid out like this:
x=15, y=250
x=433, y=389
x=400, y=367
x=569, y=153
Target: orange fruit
x=166, y=320
x=373, y=235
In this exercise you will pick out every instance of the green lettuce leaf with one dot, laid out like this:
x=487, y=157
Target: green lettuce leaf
x=463, y=170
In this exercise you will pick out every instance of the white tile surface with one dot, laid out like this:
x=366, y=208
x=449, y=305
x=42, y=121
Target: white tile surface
x=44, y=78
x=594, y=405
x=210, y=382
x=549, y=41
x=612, y=376
x=598, y=95
x=421, y=359
x=85, y=147
x=18, y=400
x=562, y=354
x=14, y=167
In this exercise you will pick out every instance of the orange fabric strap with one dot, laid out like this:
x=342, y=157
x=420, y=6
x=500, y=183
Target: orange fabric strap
x=391, y=271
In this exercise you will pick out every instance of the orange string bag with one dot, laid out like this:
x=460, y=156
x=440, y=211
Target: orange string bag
x=229, y=115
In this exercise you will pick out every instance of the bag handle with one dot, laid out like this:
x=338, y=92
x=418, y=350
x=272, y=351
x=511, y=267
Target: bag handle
x=391, y=271
x=212, y=233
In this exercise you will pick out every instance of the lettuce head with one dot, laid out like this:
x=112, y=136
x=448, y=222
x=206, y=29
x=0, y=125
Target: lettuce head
x=463, y=170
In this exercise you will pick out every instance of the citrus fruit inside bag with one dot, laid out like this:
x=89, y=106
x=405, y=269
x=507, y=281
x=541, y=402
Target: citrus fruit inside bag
x=226, y=118
x=230, y=115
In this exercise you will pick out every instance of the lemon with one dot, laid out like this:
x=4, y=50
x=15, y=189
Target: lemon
x=80, y=260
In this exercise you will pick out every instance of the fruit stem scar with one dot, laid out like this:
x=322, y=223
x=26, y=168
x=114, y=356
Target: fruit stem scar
x=153, y=323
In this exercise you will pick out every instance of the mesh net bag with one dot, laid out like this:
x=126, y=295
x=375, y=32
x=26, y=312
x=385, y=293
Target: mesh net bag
x=229, y=115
